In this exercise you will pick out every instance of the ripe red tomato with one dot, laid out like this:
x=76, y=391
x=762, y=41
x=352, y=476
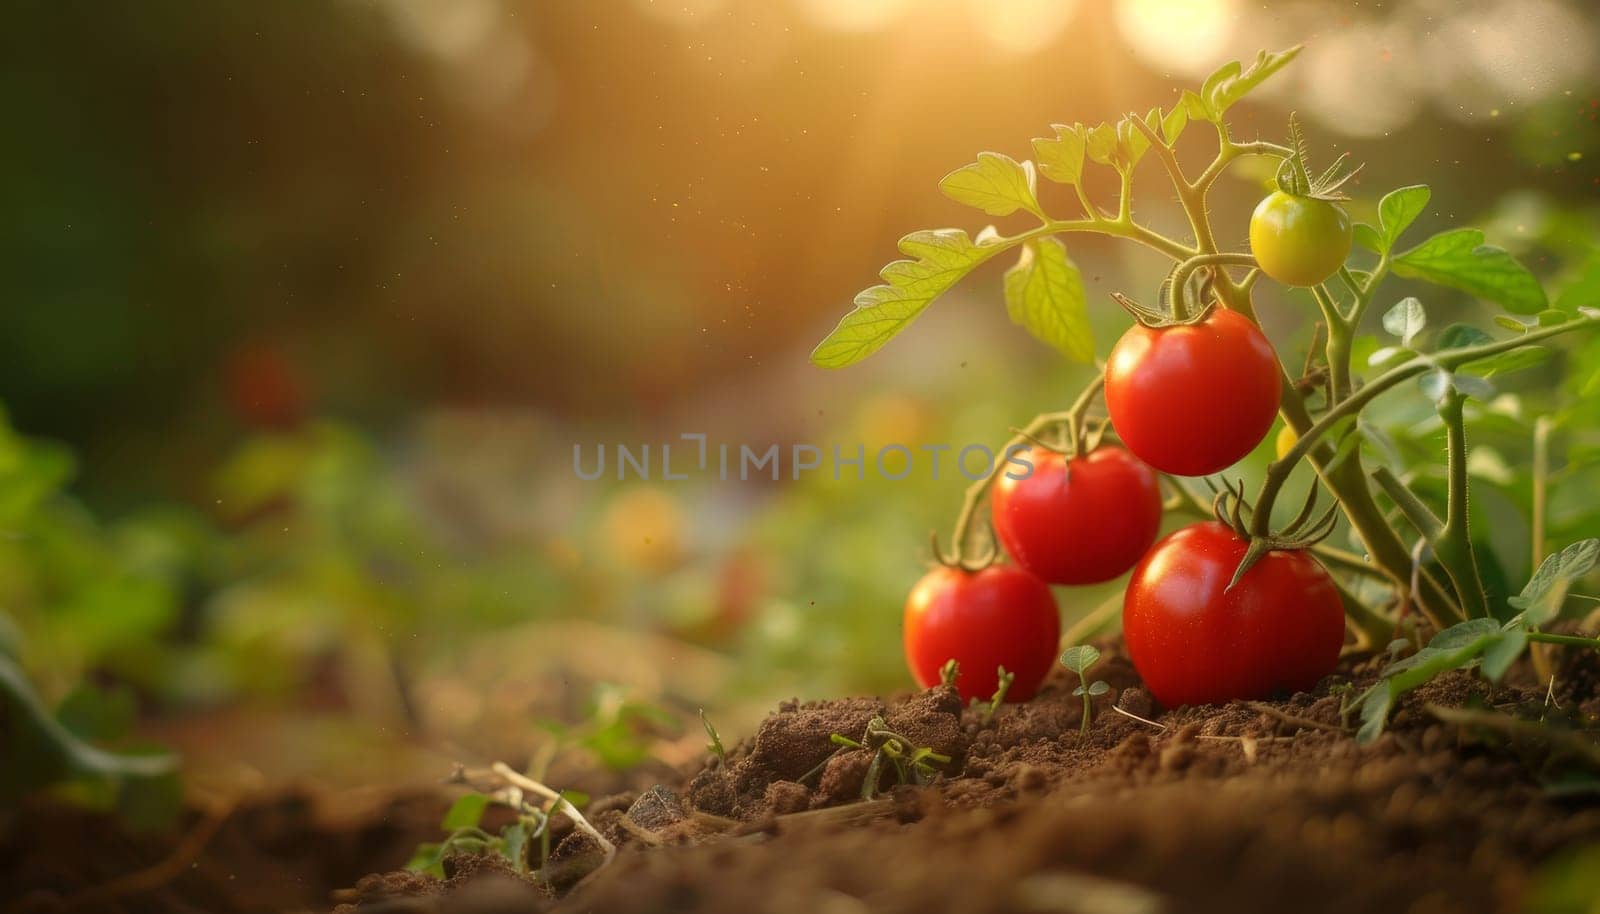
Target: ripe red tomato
x=1078, y=521
x=1193, y=642
x=1000, y=616
x=1193, y=400
x=1299, y=241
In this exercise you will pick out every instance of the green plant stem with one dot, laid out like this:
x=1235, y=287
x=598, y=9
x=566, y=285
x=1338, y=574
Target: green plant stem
x=1181, y=306
x=1363, y=512
x=1347, y=482
x=1454, y=547
x=1338, y=346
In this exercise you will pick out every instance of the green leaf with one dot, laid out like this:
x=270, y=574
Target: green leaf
x=996, y=183
x=1460, y=336
x=1456, y=647
x=1100, y=143
x=1511, y=323
x=1504, y=651
x=1173, y=122
x=1231, y=82
x=1099, y=687
x=428, y=858
x=1061, y=158
x=1368, y=237
x=1044, y=293
x=1507, y=362
x=1398, y=209
x=943, y=257
x=1541, y=600
x=1458, y=259
x=1552, y=317
x=1405, y=320
x=1080, y=657
x=465, y=812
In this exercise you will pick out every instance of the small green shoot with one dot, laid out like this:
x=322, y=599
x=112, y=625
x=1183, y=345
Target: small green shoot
x=911, y=764
x=1005, y=679
x=715, y=744
x=1079, y=659
x=949, y=672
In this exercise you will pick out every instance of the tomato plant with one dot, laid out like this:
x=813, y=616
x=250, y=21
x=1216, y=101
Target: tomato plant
x=1249, y=603
x=1078, y=520
x=1193, y=399
x=1000, y=616
x=1196, y=636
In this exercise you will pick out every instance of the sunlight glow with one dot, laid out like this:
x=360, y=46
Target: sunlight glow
x=1186, y=35
x=1023, y=26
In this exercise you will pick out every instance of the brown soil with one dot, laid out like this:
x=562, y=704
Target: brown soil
x=1263, y=806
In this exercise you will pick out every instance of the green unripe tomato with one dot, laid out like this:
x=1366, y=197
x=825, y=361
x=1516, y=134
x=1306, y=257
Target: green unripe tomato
x=1299, y=241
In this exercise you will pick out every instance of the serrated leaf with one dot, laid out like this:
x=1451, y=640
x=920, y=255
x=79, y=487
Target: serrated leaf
x=1231, y=82
x=1061, y=157
x=1541, y=599
x=1194, y=107
x=465, y=812
x=1458, y=259
x=1368, y=238
x=1044, y=294
x=1173, y=122
x=1132, y=144
x=1100, y=143
x=996, y=183
x=1405, y=320
x=1398, y=209
x=1457, y=647
x=1460, y=336
x=943, y=257
x=1080, y=657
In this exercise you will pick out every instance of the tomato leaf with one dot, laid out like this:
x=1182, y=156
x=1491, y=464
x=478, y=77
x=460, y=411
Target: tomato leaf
x=1405, y=320
x=1368, y=237
x=943, y=257
x=1173, y=122
x=1061, y=157
x=1100, y=143
x=1398, y=209
x=1044, y=294
x=1460, y=336
x=1231, y=81
x=1459, y=646
x=996, y=183
x=1458, y=259
x=1507, y=362
x=1547, y=589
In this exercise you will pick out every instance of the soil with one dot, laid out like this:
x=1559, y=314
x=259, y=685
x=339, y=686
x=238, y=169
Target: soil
x=1251, y=806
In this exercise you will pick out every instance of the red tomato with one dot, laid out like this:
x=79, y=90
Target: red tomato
x=1193, y=642
x=1000, y=616
x=1078, y=521
x=1193, y=400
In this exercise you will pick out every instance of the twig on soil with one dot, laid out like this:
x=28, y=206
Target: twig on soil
x=1305, y=723
x=1136, y=717
x=558, y=803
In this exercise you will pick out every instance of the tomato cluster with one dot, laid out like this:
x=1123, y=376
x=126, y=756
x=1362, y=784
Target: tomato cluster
x=1188, y=399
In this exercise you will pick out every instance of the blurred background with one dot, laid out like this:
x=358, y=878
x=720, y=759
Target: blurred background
x=308, y=305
